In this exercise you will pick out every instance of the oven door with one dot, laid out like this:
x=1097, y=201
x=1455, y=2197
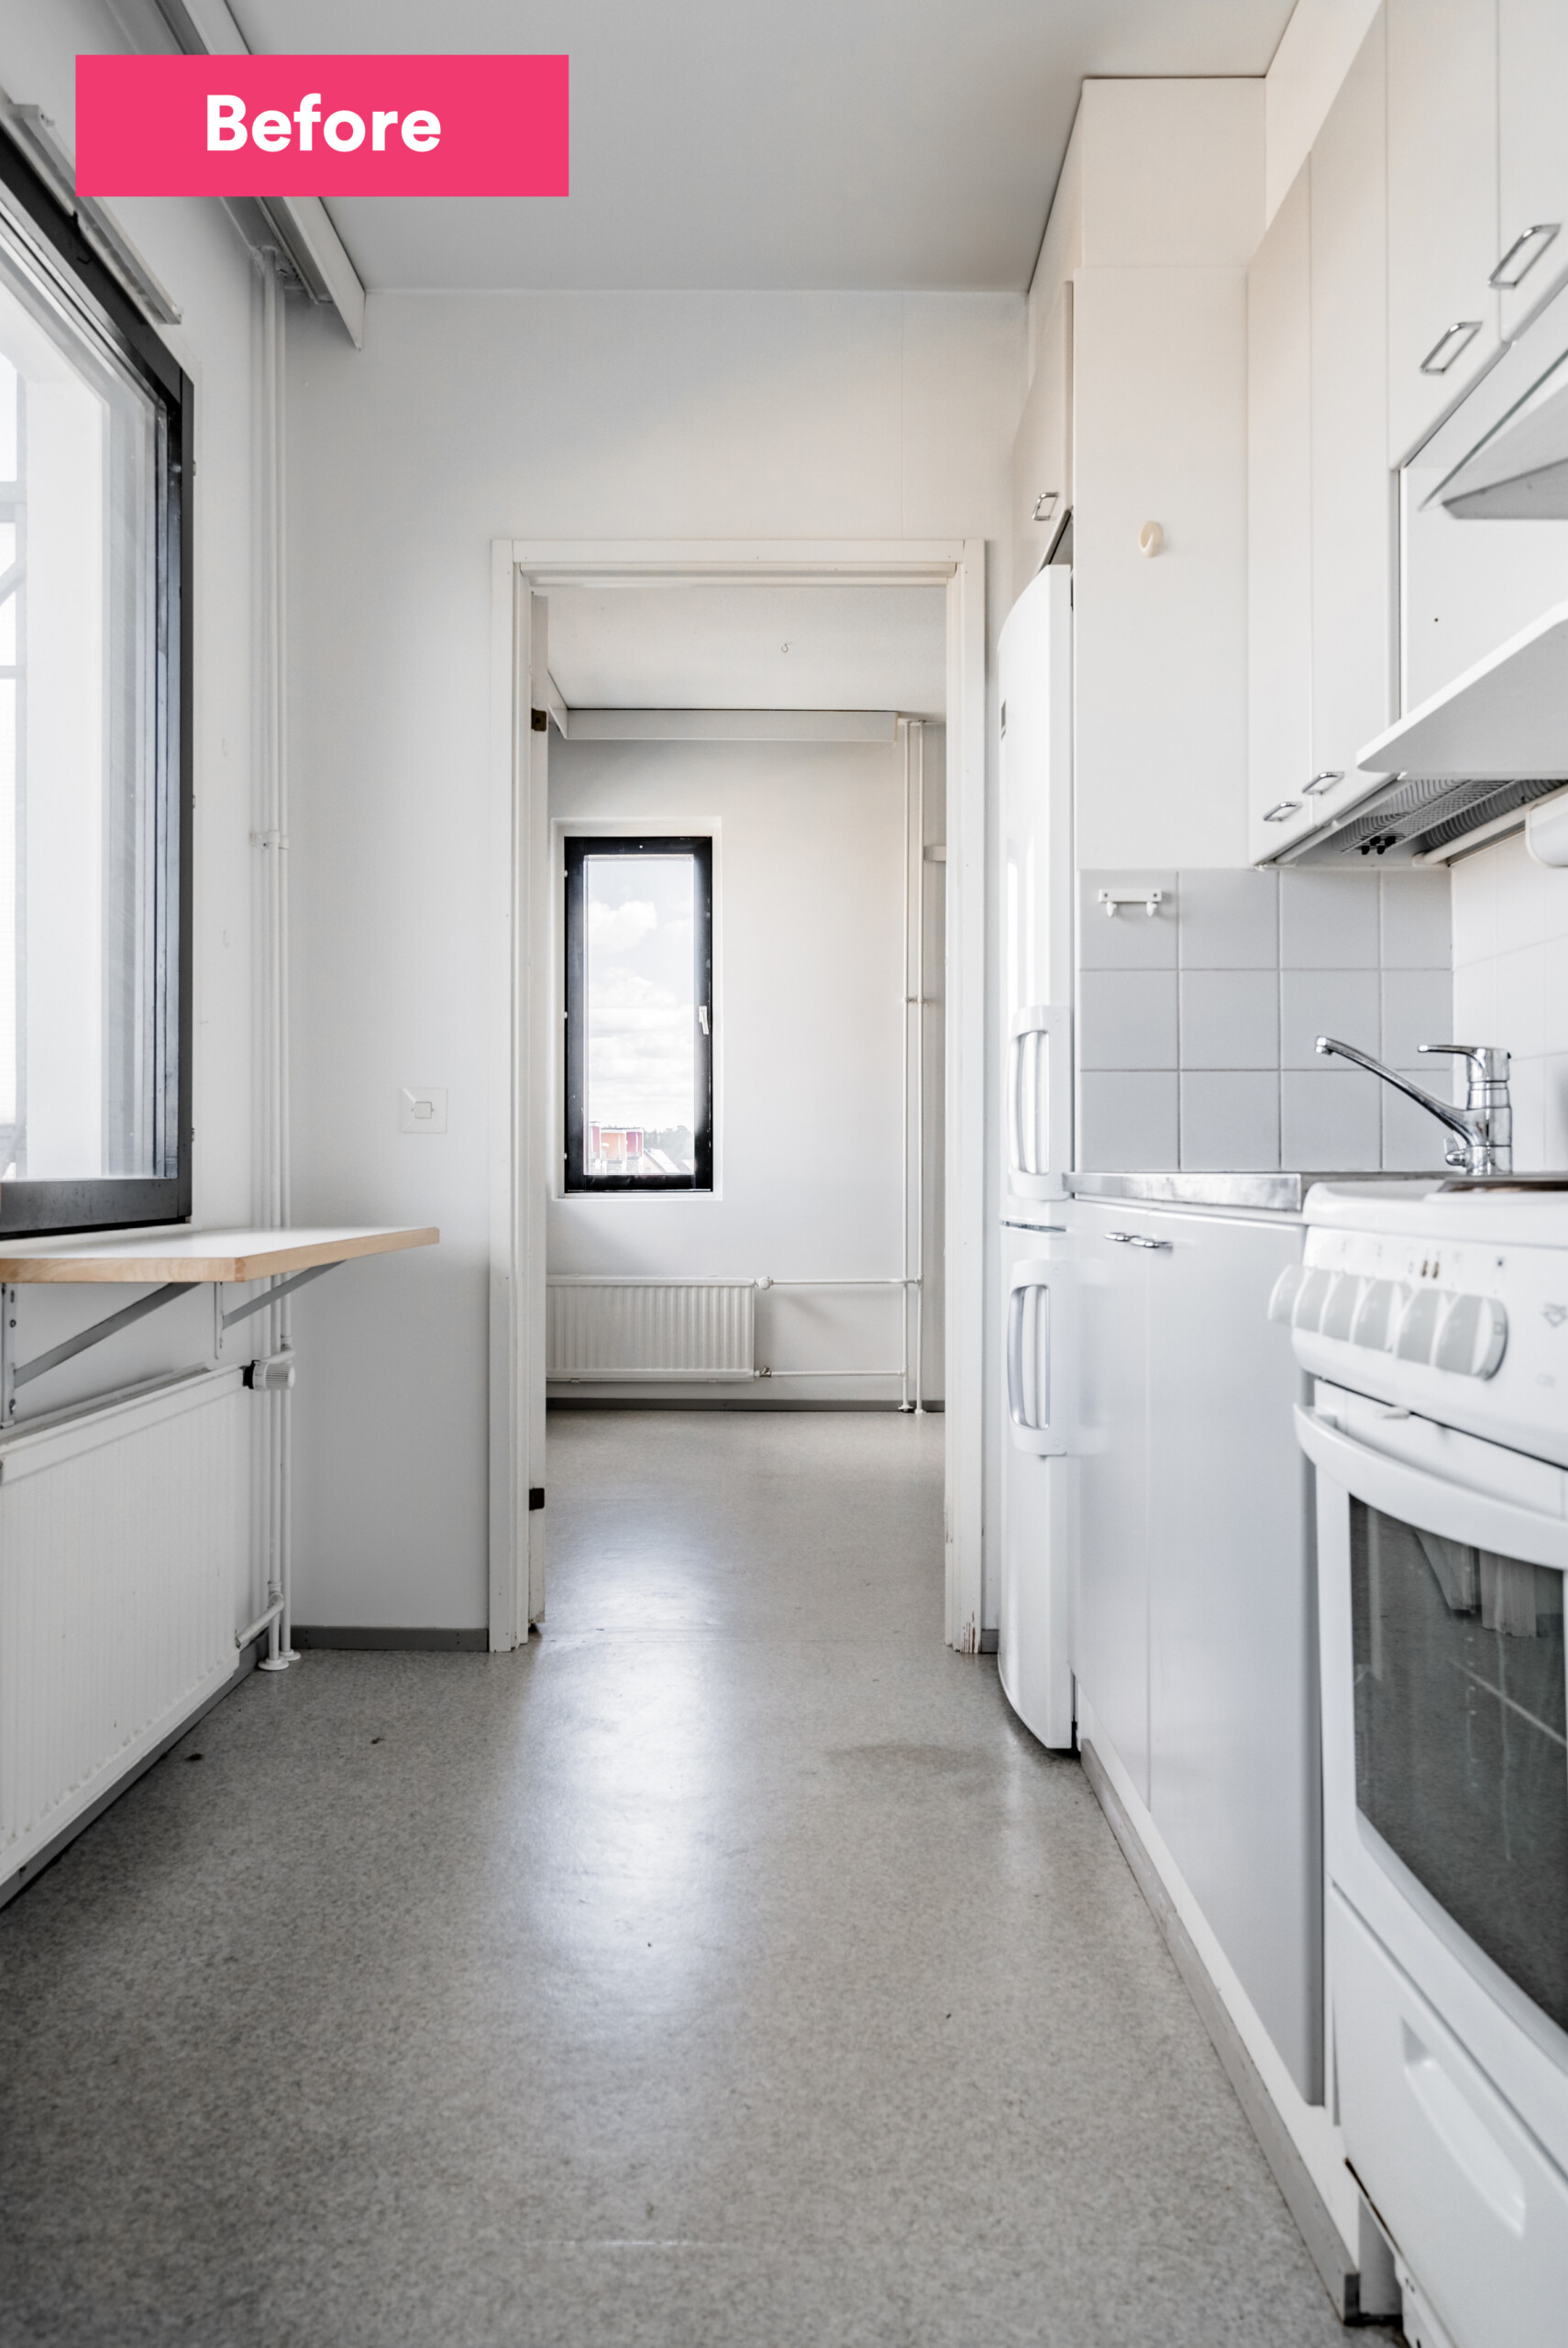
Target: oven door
x=1445, y=1779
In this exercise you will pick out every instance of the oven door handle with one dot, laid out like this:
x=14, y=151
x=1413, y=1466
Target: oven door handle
x=1431, y=1501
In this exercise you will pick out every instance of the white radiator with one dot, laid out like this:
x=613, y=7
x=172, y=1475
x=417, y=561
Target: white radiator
x=650, y=1328
x=124, y=1573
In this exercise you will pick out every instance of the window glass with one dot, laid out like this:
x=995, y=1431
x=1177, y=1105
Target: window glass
x=88, y=855
x=1462, y=1739
x=639, y=1015
x=642, y=1015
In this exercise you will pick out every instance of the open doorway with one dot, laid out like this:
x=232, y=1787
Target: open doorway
x=733, y=1029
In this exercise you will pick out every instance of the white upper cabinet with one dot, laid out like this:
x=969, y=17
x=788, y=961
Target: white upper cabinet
x=1533, y=128
x=1354, y=599
x=1444, y=317
x=1043, y=449
x=1279, y=492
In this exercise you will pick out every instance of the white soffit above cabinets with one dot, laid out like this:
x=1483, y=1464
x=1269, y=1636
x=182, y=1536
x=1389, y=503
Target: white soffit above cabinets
x=829, y=144
x=742, y=647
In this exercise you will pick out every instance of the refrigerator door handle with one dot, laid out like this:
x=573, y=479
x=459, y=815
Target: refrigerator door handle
x=1048, y=1434
x=1015, y=1308
x=1038, y=1165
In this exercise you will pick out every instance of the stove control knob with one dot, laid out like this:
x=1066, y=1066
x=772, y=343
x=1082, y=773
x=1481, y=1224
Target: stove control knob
x=1339, y=1309
x=1472, y=1337
x=1378, y=1311
x=1418, y=1324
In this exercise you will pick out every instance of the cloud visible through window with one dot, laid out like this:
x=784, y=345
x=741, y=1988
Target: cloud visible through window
x=641, y=1054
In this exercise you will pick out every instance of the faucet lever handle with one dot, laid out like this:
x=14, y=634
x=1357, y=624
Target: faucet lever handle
x=1488, y=1062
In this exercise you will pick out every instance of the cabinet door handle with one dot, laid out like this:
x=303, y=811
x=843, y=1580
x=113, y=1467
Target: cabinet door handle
x=1448, y=344
x=1523, y=254
x=1140, y=1241
x=1119, y=1238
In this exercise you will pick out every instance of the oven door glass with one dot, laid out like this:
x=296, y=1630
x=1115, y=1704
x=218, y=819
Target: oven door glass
x=1461, y=1739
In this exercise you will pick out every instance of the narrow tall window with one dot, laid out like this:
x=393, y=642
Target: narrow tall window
x=639, y=1015
x=94, y=931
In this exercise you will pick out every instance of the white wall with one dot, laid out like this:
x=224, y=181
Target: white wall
x=199, y=257
x=1510, y=986
x=467, y=419
x=808, y=1038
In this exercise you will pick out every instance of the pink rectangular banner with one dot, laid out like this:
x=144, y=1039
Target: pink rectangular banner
x=321, y=126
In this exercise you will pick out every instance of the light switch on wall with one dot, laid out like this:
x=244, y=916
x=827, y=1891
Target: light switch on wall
x=422, y=1109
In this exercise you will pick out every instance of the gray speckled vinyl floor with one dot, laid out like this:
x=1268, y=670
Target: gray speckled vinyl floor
x=726, y=1968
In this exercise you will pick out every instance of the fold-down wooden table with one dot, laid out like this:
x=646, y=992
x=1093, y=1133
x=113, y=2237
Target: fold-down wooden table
x=179, y=1258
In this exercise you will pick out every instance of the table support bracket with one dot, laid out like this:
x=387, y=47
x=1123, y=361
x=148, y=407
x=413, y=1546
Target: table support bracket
x=19, y=1374
x=273, y=1295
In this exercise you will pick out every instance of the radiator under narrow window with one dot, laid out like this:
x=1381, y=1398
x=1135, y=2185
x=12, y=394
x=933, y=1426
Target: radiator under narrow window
x=605, y=1328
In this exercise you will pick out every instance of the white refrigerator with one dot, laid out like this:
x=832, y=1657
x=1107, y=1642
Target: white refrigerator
x=1037, y=1317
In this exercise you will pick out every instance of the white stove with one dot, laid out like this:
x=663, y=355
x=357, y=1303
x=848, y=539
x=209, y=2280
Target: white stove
x=1434, y=1321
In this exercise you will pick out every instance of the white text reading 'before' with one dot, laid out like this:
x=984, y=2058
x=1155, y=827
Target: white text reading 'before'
x=272, y=131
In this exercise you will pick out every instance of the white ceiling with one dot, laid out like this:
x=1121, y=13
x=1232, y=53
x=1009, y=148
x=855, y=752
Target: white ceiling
x=897, y=144
x=736, y=646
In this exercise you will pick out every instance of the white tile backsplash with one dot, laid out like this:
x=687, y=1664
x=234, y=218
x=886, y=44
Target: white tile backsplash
x=1128, y=1123
x=1418, y=1008
x=1230, y=1119
x=1555, y=994
x=1230, y=1019
x=1520, y=1002
x=1344, y=1004
x=1329, y=921
x=1416, y=921
x=1230, y=921
x=1127, y=1019
x=1198, y=1028
x=1510, y=987
x=1414, y=1141
x=1331, y=1119
x=1554, y=1069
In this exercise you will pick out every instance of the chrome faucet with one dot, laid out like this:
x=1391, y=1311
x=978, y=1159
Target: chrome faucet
x=1485, y=1123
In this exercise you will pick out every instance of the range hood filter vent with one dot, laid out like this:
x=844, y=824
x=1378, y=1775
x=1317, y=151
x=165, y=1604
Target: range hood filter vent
x=1416, y=813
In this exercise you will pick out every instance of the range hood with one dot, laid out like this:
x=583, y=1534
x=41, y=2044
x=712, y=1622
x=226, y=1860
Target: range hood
x=1479, y=751
x=1521, y=472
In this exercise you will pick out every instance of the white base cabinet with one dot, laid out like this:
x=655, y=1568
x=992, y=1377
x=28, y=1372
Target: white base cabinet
x=1193, y=1615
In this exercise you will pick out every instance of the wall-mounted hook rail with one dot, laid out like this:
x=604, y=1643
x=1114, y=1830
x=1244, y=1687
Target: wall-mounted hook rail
x=1150, y=899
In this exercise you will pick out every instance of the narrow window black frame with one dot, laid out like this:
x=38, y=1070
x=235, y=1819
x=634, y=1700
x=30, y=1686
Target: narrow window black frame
x=578, y=848
x=34, y=1210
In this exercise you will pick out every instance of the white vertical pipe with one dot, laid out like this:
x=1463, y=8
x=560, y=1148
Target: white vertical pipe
x=920, y=1067
x=904, y=1243
x=275, y=1183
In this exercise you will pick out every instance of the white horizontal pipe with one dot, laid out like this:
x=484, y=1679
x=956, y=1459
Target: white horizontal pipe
x=698, y=1376
x=908, y=1282
x=243, y=1638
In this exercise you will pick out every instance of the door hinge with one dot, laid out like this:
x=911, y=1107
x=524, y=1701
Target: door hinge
x=541, y=721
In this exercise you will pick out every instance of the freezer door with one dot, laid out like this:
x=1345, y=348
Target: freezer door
x=1033, y=1632
x=1039, y=1366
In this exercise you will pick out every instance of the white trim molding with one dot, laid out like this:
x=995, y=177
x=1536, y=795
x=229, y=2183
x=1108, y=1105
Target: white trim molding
x=522, y=993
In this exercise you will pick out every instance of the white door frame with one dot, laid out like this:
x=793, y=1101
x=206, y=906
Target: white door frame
x=522, y=573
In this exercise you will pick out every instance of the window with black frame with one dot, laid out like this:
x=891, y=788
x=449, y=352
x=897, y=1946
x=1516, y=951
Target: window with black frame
x=639, y=1015
x=95, y=813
